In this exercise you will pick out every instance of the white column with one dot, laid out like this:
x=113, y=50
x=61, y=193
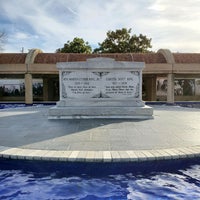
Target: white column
x=28, y=89
x=170, y=88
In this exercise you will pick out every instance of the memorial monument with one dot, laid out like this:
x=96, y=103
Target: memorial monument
x=100, y=88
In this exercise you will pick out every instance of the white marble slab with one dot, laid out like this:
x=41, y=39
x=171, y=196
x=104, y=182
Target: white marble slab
x=100, y=87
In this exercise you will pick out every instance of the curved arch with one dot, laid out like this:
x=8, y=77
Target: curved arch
x=31, y=56
x=167, y=55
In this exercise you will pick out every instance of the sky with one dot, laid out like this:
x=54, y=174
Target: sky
x=48, y=24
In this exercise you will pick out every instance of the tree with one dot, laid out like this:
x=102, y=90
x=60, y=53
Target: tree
x=120, y=41
x=2, y=39
x=78, y=45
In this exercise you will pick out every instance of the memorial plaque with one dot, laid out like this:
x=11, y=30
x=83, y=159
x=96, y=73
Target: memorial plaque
x=80, y=84
x=100, y=88
x=120, y=84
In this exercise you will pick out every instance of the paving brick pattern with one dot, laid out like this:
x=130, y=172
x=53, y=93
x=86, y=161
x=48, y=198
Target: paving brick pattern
x=173, y=133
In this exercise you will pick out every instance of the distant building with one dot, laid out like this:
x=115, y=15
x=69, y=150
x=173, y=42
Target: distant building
x=33, y=77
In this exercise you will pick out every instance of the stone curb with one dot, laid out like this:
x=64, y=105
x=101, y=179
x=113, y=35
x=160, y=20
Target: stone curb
x=100, y=156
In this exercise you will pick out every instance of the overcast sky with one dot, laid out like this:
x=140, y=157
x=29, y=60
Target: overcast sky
x=48, y=24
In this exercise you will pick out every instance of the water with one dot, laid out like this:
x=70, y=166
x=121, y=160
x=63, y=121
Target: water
x=21, y=105
x=11, y=105
x=59, y=180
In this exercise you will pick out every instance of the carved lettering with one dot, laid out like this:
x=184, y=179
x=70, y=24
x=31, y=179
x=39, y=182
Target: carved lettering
x=81, y=84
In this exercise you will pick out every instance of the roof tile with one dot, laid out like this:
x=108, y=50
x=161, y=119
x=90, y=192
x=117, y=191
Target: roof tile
x=12, y=58
x=52, y=58
x=187, y=57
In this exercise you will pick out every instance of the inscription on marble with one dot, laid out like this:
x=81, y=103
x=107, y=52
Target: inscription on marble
x=80, y=84
x=88, y=84
x=121, y=84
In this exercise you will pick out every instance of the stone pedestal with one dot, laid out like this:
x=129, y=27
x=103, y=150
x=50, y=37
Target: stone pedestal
x=100, y=88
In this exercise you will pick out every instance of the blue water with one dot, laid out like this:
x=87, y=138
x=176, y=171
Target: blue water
x=59, y=180
x=21, y=105
x=11, y=105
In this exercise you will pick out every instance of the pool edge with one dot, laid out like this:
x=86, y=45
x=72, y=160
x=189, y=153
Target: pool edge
x=100, y=156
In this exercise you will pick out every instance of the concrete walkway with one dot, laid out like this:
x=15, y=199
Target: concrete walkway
x=26, y=133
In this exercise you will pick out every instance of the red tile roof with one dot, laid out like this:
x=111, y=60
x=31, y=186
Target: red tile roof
x=187, y=57
x=12, y=58
x=52, y=58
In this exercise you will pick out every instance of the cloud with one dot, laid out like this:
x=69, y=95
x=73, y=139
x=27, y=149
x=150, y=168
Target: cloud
x=49, y=24
x=177, y=25
x=21, y=36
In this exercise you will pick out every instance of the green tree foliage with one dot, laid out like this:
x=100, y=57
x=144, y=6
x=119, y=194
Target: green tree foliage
x=78, y=45
x=121, y=41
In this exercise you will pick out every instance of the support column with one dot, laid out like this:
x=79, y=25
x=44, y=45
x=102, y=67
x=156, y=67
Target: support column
x=45, y=89
x=153, y=90
x=28, y=89
x=170, y=88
